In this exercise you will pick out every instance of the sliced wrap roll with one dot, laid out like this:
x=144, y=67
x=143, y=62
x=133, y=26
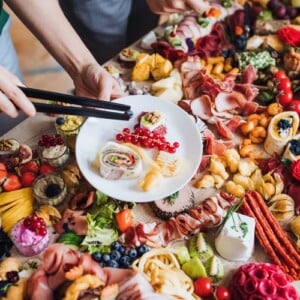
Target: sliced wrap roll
x=282, y=128
x=292, y=149
x=117, y=161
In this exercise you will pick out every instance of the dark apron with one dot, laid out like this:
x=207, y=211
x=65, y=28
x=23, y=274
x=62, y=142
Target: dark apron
x=107, y=26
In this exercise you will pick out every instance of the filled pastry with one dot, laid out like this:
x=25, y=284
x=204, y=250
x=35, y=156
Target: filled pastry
x=282, y=128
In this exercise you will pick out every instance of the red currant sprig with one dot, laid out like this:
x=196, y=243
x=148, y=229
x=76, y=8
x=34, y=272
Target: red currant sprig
x=50, y=140
x=147, y=139
x=36, y=224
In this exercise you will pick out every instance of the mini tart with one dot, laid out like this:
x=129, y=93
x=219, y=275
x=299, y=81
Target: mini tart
x=175, y=204
x=292, y=149
x=282, y=128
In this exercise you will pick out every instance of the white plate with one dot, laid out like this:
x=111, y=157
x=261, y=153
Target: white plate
x=96, y=132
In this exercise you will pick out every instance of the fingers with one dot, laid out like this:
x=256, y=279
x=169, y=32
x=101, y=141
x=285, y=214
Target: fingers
x=172, y=6
x=11, y=96
x=197, y=5
x=7, y=107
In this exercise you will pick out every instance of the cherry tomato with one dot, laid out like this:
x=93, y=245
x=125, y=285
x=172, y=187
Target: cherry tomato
x=285, y=98
x=295, y=106
x=203, y=286
x=284, y=85
x=222, y=293
x=279, y=75
x=124, y=219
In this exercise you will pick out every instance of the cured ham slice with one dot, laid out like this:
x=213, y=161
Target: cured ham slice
x=201, y=107
x=38, y=288
x=208, y=214
x=215, y=146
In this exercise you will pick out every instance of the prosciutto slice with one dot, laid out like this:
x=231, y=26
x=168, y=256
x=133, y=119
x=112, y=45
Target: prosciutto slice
x=208, y=214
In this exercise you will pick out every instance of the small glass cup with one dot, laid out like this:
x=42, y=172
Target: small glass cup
x=68, y=127
x=49, y=188
x=53, y=150
x=26, y=241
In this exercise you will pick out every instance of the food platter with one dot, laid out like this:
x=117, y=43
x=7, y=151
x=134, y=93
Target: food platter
x=96, y=132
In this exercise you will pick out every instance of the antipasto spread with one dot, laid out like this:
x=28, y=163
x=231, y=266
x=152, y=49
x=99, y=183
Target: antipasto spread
x=231, y=233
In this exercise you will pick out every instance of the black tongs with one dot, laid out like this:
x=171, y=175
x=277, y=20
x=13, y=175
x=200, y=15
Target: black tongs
x=92, y=107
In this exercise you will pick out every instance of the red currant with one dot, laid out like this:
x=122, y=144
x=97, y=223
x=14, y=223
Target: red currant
x=119, y=137
x=27, y=223
x=126, y=130
x=176, y=145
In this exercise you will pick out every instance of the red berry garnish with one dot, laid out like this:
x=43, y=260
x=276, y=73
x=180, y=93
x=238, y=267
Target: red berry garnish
x=126, y=130
x=176, y=145
x=119, y=137
x=27, y=223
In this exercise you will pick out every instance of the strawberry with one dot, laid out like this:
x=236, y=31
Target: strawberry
x=28, y=178
x=45, y=168
x=12, y=183
x=3, y=173
x=31, y=166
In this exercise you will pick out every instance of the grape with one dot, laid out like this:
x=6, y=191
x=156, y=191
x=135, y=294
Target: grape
x=291, y=11
x=272, y=4
x=280, y=11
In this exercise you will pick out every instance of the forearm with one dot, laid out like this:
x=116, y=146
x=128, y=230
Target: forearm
x=47, y=22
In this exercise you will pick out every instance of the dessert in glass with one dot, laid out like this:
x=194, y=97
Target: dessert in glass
x=68, y=127
x=53, y=150
x=30, y=235
x=49, y=188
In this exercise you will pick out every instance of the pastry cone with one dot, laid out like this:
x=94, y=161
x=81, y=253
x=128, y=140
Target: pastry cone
x=282, y=128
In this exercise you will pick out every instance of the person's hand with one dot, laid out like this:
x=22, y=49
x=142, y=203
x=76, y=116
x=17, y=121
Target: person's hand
x=95, y=82
x=12, y=97
x=177, y=6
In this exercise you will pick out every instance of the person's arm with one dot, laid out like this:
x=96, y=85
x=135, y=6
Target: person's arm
x=11, y=97
x=47, y=21
x=177, y=6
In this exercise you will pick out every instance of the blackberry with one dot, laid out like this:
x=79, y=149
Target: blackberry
x=12, y=276
x=52, y=190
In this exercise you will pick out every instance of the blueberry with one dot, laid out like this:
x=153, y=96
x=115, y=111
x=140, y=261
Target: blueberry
x=240, y=44
x=125, y=261
x=132, y=253
x=115, y=245
x=105, y=258
x=112, y=263
x=60, y=121
x=142, y=249
x=102, y=264
x=122, y=250
x=115, y=255
x=97, y=256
